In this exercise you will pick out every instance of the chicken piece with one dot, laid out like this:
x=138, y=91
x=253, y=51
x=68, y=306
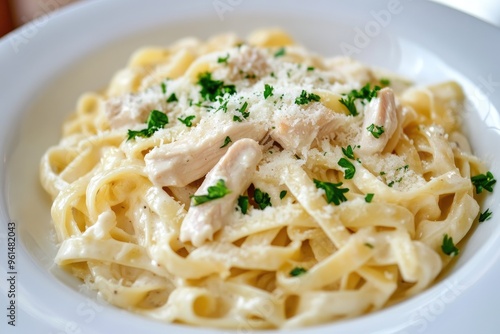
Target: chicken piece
x=131, y=109
x=236, y=168
x=382, y=113
x=181, y=162
x=296, y=131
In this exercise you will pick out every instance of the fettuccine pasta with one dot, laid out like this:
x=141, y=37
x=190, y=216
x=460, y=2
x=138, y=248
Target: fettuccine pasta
x=254, y=184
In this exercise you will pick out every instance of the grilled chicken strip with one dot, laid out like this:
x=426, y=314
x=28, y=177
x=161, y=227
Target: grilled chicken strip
x=381, y=112
x=236, y=168
x=191, y=157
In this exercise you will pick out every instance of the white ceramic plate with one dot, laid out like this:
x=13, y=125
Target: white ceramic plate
x=46, y=65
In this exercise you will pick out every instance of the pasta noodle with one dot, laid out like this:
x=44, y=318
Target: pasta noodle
x=254, y=184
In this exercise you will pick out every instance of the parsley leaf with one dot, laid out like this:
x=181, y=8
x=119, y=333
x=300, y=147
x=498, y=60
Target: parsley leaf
x=268, y=91
x=164, y=88
x=211, y=89
x=333, y=191
x=310, y=68
x=262, y=199
x=243, y=112
x=376, y=130
x=369, y=245
x=349, y=103
x=385, y=82
x=483, y=181
x=448, y=247
x=280, y=52
x=214, y=192
x=224, y=60
x=305, y=98
x=484, y=216
x=187, y=121
x=227, y=140
x=369, y=197
x=349, y=151
x=172, y=98
x=365, y=93
x=243, y=204
x=297, y=271
x=350, y=170
x=283, y=194
x=156, y=120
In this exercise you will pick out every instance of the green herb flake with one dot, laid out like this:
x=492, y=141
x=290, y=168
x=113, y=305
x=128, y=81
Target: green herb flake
x=306, y=98
x=484, y=216
x=156, y=120
x=211, y=89
x=350, y=170
x=283, y=194
x=369, y=198
x=297, y=271
x=333, y=191
x=214, y=192
x=268, y=91
x=227, y=140
x=348, y=152
x=243, y=204
x=164, y=88
x=376, y=130
x=223, y=60
x=172, y=98
x=262, y=199
x=187, y=121
x=280, y=53
x=385, y=82
x=448, y=247
x=349, y=104
x=369, y=245
x=310, y=68
x=483, y=181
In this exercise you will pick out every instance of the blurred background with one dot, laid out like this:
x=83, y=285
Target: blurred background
x=14, y=13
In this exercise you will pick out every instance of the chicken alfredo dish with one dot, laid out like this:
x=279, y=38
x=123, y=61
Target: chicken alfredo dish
x=253, y=184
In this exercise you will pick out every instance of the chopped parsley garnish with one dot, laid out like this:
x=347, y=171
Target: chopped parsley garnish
x=164, y=88
x=484, y=216
x=297, y=271
x=390, y=184
x=187, y=121
x=365, y=93
x=385, y=82
x=214, y=192
x=483, y=181
x=448, y=247
x=243, y=112
x=350, y=170
x=305, y=98
x=333, y=191
x=310, y=68
x=349, y=151
x=279, y=53
x=211, y=89
x=268, y=91
x=349, y=103
x=376, y=130
x=283, y=194
x=369, y=245
x=369, y=197
x=262, y=199
x=172, y=98
x=227, y=140
x=243, y=204
x=224, y=60
x=156, y=120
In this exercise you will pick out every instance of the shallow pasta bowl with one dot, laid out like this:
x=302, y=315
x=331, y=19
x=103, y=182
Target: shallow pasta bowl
x=47, y=64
